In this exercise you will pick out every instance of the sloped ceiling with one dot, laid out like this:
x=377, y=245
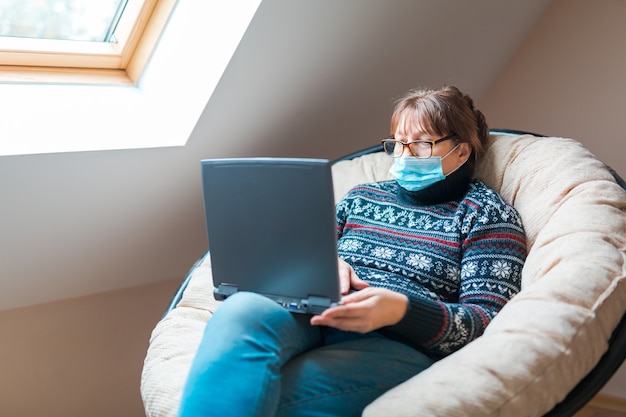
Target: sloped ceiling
x=310, y=78
x=314, y=76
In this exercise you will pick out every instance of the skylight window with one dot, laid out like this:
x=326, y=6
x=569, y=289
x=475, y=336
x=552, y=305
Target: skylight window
x=72, y=20
x=114, y=36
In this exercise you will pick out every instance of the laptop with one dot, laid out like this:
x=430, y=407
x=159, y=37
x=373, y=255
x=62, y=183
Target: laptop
x=272, y=230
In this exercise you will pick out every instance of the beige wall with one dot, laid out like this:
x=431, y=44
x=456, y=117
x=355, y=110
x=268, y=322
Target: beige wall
x=79, y=358
x=569, y=79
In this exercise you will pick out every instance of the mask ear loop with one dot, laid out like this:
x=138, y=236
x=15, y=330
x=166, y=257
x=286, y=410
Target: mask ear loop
x=460, y=165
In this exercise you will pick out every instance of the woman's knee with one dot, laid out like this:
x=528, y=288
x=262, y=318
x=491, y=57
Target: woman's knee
x=246, y=315
x=245, y=302
x=239, y=311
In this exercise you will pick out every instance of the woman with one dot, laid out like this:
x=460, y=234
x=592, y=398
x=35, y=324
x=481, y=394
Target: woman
x=426, y=261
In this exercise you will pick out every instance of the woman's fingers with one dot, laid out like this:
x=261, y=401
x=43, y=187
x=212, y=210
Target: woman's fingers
x=348, y=278
x=365, y=310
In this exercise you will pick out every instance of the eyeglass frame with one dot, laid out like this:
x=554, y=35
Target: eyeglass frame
x=432, y=143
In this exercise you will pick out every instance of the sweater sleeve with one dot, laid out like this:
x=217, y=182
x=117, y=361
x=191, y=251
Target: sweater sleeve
x=494, y=251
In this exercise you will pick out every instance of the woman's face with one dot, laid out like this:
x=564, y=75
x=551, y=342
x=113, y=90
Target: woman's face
x=457, y=153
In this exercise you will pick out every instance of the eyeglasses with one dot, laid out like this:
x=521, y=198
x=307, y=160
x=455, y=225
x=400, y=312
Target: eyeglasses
x=418, y=148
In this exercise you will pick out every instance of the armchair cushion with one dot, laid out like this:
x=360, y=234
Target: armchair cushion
x=540, y=345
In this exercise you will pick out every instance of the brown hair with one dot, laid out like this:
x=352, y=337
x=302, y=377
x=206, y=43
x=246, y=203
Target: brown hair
x=440, y=113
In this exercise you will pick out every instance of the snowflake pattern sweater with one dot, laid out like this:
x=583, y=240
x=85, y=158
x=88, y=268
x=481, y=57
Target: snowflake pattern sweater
x=458, y=262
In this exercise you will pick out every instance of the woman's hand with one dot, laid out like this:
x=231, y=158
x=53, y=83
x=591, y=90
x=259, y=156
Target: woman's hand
x=365, y=311
x=348, y=278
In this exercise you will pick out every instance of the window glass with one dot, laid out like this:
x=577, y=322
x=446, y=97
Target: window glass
x=77, y=20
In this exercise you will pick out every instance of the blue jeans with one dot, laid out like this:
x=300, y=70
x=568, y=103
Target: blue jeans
x=258, y=359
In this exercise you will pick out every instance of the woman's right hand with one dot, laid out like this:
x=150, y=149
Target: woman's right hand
x=348, y=279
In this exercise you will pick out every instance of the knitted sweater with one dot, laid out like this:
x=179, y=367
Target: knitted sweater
x=458, y=262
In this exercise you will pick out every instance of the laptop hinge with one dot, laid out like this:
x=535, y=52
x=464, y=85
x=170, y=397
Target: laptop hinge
x=224, y=290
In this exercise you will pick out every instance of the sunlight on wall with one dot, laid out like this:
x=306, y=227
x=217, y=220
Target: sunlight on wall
x=160, y=111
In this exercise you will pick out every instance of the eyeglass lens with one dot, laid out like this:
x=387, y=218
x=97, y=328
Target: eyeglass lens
x=418, y=149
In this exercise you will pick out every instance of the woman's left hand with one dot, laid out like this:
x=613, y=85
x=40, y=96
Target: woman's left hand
x=364, y=311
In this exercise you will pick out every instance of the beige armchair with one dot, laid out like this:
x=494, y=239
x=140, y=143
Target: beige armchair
x=555, y=333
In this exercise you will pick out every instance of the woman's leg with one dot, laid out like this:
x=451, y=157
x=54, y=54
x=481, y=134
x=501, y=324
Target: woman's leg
x=341, y=379
x=236, y=371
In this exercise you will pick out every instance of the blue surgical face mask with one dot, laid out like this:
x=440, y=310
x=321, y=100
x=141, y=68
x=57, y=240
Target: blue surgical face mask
x=415, y=174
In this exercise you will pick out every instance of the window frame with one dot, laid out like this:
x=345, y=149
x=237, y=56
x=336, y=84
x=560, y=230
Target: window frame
x=60, y=61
